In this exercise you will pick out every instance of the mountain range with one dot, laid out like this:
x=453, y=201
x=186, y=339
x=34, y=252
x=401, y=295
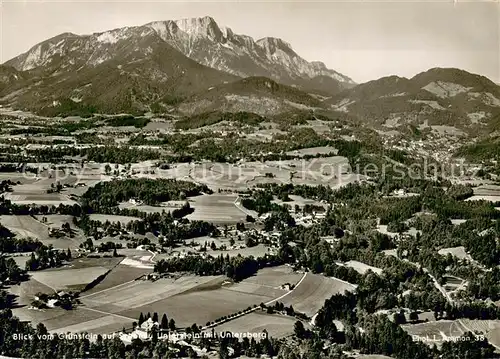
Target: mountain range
x=195, y=65
x=439, y=96
x=157, y=63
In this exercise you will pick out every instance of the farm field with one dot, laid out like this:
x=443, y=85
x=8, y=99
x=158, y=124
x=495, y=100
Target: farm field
x=193, y=246
x=21, y=260
x=19, y=196
x=216, y=208
x=178, y=296
x=268, y=282
x=215, y=303
x=312, y=151
x=299, y=201
x=277, y=326
x=25, y=226
x=275, y=276
x=57, y=220
x=59, y=279
x=491, y=329
x=26, y=291
x=56, y=317
x=332, y=171
x=119, y=275
x=310, y=293
x=440, y=331
x=435, y=332
x=487, y=190
x=142, y=292
x=104, y=324
x=484, y=198
x=137, y=258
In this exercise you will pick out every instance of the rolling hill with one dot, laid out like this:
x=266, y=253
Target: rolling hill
x=439, y=96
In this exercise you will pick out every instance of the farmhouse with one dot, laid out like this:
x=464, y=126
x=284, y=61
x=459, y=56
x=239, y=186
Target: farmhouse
x=143, y=332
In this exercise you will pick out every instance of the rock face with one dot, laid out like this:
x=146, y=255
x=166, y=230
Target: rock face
x=200, y=39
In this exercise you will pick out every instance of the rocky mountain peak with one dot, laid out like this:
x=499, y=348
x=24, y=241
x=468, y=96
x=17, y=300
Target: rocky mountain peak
x=201, y=26
x=272, y=44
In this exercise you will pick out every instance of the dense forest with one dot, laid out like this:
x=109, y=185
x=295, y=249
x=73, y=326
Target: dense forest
x=149, y=191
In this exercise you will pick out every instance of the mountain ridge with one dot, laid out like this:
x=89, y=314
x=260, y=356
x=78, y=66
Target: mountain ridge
x=218, y=47
x=438, y=96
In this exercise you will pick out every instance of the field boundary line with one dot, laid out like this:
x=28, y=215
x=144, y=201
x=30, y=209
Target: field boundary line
x=107, y=313
x=105, y=290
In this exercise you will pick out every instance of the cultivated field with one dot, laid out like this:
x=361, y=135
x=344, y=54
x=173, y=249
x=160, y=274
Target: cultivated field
x=57, y=220
x=118, y=276
x=36, y=193
x=332, y=171
x=310, y=294
x=216, y=208
x=67, y=278
x=25, y=226
x=435, y=332
x=277, y=326
x=268, y=282
x=312, y=151
x=177, y=296
x=275, y=276
x=104, y=324
x=440, y=331
x=142, y=292
x=299, y=201
x=484, y=198
x=487, y=190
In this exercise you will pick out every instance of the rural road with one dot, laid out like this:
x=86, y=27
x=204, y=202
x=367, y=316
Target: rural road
x=237, y=204
x=439, y=287
x=153, y=254
x=287, y=293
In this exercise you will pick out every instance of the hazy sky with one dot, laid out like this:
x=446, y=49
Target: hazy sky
x=364, y=40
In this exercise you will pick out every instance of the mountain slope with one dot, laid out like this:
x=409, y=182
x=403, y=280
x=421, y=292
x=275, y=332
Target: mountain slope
x=259, y=95
x=200, y=39
x=439, y=96
x=9, y=76
x=203, y=40
x=116, y=71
